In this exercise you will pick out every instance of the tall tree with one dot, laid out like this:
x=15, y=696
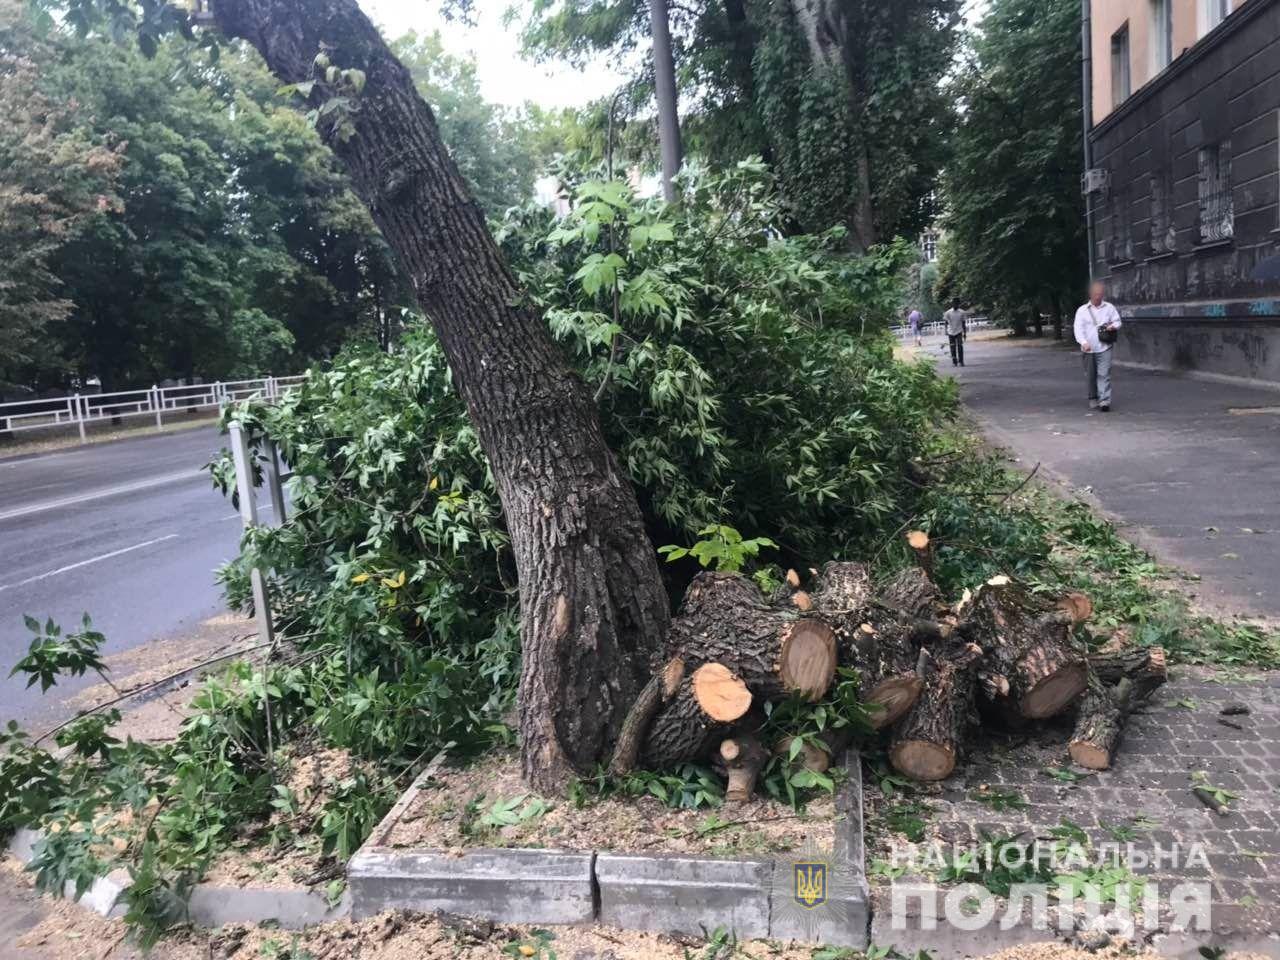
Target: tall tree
x=54, y=180
x=843, y=97
x=664, y=84
x=1015, y=217
x=593, y=608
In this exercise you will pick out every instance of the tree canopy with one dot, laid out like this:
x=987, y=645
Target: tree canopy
x=845, y=100
x=1014, y=215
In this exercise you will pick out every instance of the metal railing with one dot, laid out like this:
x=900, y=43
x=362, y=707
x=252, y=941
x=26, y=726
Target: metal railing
x=938, y=327
x=83, y=410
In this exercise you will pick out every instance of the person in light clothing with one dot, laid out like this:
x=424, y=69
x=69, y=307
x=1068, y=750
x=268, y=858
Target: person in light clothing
x=957, y=331
x=1097, y=325
x=914, y=319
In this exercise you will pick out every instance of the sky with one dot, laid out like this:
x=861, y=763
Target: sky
x=505, y=77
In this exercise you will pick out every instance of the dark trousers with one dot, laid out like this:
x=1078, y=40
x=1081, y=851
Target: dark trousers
x=957, y=348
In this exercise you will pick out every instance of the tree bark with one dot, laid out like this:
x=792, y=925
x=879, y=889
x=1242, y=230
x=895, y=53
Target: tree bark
x=664, y=75
x=928, y=742
x=1030, y=660
x=774, y=648
x=593, y=609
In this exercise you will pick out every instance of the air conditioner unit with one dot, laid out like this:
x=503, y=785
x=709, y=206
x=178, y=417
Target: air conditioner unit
x=1096, y=180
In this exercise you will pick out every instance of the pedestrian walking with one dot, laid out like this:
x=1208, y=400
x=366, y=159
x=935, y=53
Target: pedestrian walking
x=1097, y=329
x=914, y=320
x=957, y=321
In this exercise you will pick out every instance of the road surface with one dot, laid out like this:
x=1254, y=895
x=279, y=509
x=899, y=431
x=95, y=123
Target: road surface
x=129, y=532
x=1191, y=468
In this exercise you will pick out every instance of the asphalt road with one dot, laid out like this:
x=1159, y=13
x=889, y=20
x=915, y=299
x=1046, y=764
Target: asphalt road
x=129, y=532
x=1191, y=468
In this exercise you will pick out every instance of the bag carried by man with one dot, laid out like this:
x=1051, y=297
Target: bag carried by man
x=1108, y=334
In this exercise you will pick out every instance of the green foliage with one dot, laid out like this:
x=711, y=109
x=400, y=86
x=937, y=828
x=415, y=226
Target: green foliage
x=536, y=946
x=1014, y=214
x=744, y=378
x=55, y=178
x=721, y=548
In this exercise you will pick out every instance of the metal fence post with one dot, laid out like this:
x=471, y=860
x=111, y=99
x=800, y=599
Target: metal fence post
x=275, y=483
x=155, y=405
x=249, y=517
x=79, y=415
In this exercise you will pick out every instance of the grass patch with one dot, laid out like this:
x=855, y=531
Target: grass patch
x=986, y=519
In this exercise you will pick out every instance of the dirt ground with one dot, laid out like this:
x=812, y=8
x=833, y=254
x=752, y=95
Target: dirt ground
x=452, y=807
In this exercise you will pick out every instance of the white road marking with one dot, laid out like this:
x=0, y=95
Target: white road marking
x=99, y=494
x=85, y=563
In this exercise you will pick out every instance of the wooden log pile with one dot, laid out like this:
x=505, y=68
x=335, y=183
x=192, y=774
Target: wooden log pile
x=929, y=672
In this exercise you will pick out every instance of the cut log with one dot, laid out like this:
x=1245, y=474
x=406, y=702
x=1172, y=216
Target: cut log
x=802, y=601
x=793, y=580
x=1076, y=606
x=1028, y=650
x=843, y=589
x=776, y=651
x=918, y=541
x=927, y=743
x=1146, y=666
x=705, y=704
x=912, y=593
x=657, y=692
x=811, y=756
x=887, y=657
x=744, y=757
x=1100, y=723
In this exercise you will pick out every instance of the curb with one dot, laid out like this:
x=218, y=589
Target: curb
x=210, y=905
x=660, y=893
x=665, y=893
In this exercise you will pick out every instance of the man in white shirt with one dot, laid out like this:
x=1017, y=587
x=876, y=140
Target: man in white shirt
x=957, y=331
x=1095, y=322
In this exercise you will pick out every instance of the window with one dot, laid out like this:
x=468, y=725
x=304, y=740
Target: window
x=929, y=246
x=1217, y=204
x=1163, y=236
x=1121, y=83
x=1161, y=34
x=1213, y=13
x=1121, y=227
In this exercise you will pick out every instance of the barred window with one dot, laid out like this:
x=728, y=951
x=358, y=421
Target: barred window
x=1163, y=235
x=1217, y=203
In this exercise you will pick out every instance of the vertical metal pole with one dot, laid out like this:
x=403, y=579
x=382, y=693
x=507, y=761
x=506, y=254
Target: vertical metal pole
x=1086, y=62
x=274, y=482
x=155, y=405
x=79, y=416
x=249, y=517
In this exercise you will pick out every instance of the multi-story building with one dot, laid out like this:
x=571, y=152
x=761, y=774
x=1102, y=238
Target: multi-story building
x=1185, y=180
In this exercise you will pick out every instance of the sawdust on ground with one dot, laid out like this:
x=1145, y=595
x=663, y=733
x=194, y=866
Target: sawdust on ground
x=69, y=932
x=295, y=858
x=450, y=808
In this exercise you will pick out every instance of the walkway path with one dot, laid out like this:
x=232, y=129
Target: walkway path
x=1190, y=468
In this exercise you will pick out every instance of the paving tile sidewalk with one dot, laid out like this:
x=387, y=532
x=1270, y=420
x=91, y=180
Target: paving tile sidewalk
x=1146, y=798
x=1191, y=469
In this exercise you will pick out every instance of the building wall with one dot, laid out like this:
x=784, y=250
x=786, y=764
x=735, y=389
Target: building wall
x=1197, y=297
x=1108, y=16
